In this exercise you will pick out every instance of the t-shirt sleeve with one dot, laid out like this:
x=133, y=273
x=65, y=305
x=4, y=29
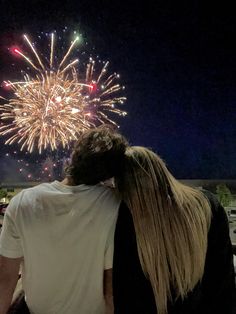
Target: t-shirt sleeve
x=10, y=242
x=109, y=250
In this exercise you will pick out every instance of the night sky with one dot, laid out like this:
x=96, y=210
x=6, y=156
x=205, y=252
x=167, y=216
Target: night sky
x=177, y=60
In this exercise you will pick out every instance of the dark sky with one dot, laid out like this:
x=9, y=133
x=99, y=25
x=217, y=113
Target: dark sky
x=177, y=60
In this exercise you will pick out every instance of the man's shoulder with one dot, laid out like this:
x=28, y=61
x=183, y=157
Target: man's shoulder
x=35, y=190
x=109, y=194
x=107, y=201
x=29, y=195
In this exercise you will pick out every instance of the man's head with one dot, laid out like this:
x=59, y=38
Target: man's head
x=97, y=156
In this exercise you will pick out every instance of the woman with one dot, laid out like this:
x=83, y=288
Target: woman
x=172, y=247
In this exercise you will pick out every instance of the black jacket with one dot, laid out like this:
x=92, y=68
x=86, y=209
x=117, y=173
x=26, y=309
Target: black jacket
x=216, y=292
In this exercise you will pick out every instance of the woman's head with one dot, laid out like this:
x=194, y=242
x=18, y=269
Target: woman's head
x=143, y=169
x=171, y=222
x=97, y=156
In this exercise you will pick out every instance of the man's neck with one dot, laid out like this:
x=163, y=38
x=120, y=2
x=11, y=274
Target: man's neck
x=68, y=181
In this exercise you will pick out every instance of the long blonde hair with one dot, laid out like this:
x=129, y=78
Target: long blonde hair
x=171, y=222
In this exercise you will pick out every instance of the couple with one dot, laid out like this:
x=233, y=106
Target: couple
x=149, y=245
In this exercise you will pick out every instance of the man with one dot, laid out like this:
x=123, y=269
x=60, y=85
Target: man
x=62, y=234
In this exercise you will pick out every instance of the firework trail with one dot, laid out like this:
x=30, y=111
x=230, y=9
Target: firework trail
x=53, y=106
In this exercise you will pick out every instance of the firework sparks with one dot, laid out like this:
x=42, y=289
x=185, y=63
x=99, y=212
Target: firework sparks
x=56, y=104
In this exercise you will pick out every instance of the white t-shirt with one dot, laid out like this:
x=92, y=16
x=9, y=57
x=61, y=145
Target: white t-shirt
x=65, y=234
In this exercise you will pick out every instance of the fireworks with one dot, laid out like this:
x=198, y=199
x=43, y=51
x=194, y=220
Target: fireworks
x=55, y=104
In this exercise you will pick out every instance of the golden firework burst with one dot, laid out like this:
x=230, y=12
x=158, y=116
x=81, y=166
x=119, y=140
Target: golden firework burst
x=55, y=104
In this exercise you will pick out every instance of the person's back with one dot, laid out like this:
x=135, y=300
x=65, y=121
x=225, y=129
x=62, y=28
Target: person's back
x=65, y=233
x=215, y=294
x=172, y=247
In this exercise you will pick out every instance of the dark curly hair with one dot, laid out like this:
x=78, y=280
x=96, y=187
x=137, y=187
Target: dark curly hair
x=97, y=156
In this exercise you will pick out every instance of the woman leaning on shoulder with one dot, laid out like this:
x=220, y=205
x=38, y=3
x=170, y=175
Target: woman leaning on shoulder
x=172, y=248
